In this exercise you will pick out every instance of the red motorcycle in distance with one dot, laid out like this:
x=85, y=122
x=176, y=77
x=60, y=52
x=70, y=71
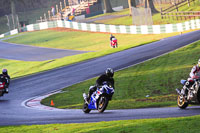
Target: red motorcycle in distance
x=113, y=43
x=2, y=88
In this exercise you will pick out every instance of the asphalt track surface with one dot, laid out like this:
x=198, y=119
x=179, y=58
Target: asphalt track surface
x=13, y=113
x=33, y=53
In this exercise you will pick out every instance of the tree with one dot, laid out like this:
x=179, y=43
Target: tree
x=131, y=4
x=13, y=9
x=151, y=6
x=25, y=3
x=12, y=6
x=107, y=6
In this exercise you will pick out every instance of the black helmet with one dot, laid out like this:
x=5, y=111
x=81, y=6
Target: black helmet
x=110, y=72
x=4, y=72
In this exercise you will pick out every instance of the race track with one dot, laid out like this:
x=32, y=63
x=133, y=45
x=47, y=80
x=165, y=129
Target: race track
x=33, y=53
x=13, y=113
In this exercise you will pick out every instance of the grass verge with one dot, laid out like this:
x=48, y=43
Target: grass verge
x=78, y=40
x=164, y=125
x=157, y=78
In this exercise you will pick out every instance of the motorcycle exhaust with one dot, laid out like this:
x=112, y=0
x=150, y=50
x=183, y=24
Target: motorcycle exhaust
x=178, y=91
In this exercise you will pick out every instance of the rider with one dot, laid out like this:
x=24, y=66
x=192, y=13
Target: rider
x=107, y=76
x=111, y=37
x=113, y=40
x=5, y=78
x=194, y=74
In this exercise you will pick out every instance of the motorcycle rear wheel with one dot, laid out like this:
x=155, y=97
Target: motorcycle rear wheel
x=182, y=102
x=102, y=104
x=85, y=108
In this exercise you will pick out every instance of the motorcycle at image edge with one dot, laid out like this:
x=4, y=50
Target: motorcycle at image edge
x=2, y=88
x=99, y=99
x=192, y=96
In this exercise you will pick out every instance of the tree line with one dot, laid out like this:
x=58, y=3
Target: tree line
x=13, y=6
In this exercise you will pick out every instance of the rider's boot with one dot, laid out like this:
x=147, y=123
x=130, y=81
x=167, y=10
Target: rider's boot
x=6, y=90
x=88, y=98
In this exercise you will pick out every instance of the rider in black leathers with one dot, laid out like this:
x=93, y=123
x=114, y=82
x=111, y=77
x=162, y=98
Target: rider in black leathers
x=111, y=37
x=4, y=77
x=108, y=76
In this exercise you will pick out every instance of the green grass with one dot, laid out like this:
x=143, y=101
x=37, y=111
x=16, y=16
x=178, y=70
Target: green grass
x=157, y=78
x=86, y=41
x=164, y=125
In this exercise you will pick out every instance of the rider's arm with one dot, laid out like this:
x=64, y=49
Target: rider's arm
x=193, y=71
x=100, y=80
x=113, y=83
x=8, y=80
x=112, y=38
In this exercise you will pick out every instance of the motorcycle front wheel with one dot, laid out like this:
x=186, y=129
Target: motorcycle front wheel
x=85, y=108
x=182, y=102
x=102, y=104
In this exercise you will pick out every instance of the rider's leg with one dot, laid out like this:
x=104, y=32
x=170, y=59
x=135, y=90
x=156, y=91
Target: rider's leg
x=187, y=86
x=6, y=90
x=91, y=90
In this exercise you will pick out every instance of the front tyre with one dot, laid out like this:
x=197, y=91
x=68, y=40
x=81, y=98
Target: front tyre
x=182, y=102
x=102, y=104
x=85, y=108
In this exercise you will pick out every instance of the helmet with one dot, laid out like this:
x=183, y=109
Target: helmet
x=4, y=72
x=109, y=72
x=111, y=35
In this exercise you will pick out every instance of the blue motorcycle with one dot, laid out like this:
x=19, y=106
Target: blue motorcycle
x=99, y=99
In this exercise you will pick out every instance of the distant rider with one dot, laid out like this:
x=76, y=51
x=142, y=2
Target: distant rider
x=5, y=78
x=108, y=76
x=113, y=41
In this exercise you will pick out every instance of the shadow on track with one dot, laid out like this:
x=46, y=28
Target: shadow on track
x=3, y=101
x=92, y=113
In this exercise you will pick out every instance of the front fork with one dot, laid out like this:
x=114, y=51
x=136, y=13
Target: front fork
x=181, y=93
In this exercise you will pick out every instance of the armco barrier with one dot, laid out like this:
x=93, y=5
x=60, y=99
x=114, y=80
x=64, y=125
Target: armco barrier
x=143, y=29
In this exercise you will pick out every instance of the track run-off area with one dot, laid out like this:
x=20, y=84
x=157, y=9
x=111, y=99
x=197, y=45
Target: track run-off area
x=14, y=110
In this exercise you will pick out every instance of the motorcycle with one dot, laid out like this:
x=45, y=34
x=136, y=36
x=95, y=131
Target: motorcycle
x=2, y=88
x=113, y=43
x=99, y=99
x=189, y=94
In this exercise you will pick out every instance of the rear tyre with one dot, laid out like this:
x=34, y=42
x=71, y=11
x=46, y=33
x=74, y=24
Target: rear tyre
x=102, y=104
x=198, y=95
x=182, y=102
x=85, y=108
